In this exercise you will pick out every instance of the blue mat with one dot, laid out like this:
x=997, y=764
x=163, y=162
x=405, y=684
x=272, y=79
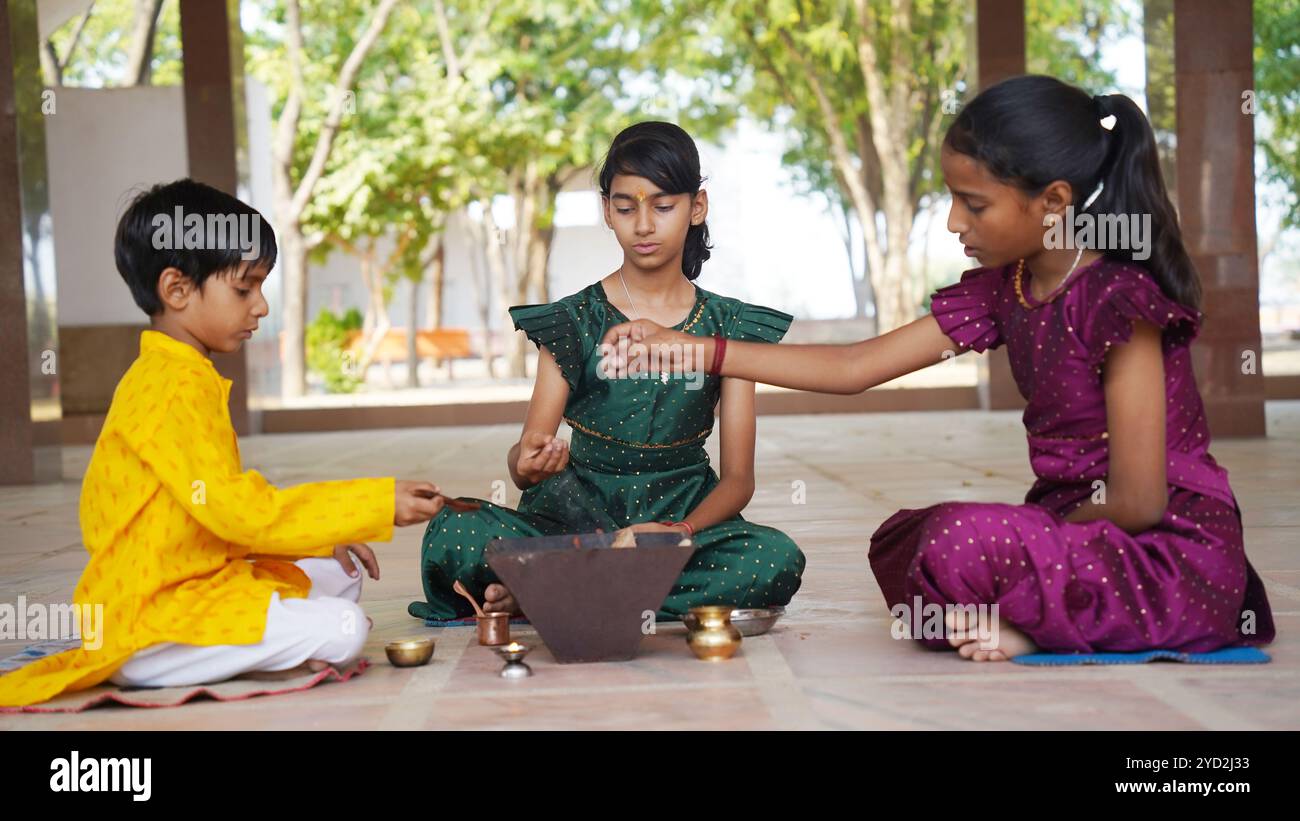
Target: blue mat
x=1228, y=655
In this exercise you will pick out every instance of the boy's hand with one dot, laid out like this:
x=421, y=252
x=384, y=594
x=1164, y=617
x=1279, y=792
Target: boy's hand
x=541, y=456
x=363, y=553
x=415, y=502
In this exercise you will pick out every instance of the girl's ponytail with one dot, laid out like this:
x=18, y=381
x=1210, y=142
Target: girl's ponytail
x=1032, y=130
x=1133, y=185
x=696, y=250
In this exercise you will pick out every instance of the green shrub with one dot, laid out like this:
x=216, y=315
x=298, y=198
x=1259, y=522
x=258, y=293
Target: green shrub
x=326, y=337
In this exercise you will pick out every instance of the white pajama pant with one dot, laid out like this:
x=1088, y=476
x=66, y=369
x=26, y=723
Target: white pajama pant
x=328, y=626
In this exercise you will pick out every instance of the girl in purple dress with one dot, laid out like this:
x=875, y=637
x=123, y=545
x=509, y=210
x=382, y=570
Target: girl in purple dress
x=1131, y=538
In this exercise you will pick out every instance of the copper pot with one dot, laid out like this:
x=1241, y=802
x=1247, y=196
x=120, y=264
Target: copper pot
x=494, y=629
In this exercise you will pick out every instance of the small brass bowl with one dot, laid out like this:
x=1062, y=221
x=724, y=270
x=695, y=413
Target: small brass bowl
x=409, y=652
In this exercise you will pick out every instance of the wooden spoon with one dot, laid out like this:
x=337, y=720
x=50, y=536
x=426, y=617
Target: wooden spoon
x=460, y=588
x=458, y=504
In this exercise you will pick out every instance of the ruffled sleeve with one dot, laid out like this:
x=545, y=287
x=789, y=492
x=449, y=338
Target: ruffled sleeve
x=755, y=323
x=1128, y=297
x=965, y=309
x=552, y=326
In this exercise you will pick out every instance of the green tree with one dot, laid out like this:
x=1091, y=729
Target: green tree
x=1066, y=38
x=557, y=78
x=311, y=62
x=1277, y=84
x=864, y=89
x=116, y=43
x=865, y=83
x=399, y=169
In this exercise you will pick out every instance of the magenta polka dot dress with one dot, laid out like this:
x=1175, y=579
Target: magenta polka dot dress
x=1091, y=587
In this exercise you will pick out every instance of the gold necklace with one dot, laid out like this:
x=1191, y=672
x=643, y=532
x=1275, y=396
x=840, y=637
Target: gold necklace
x=1020, y=293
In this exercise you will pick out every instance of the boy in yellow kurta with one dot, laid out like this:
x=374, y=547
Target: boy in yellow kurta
x=204, y=570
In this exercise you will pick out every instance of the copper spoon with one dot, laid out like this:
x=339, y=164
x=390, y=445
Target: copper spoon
x=460, y=588
x=459, y=505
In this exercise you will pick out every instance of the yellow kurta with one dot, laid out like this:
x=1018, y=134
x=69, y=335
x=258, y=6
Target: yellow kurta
x=184, y=545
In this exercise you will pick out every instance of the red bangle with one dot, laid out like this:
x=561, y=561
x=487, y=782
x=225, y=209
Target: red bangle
x=719, y=351
x=690, y=531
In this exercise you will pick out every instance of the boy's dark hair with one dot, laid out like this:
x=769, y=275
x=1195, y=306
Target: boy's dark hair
x=1033, y=129
x=145, y=241
x=665, y=155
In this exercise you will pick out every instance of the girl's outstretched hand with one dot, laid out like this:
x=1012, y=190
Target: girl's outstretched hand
x=643, y=345
x=541, y=456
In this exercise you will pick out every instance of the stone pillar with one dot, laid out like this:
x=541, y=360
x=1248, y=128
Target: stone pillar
x=999, y=53
x=30, y=410
x=1213, y=68
x=215, y=132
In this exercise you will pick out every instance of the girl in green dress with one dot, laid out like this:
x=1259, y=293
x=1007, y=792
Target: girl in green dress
x=637, y=456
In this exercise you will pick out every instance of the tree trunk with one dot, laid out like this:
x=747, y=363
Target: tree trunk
x=539, y=253
x=502, y=289
x=896, y=286
x=139, y=60
x=865, y=294
x=51, y=63
x=376, y=310
x=1158, y=33
x=534, y=197
x=290, y=198
x=923, y=276
x=293, y=267
x=50, y=68
x=412, y=333
x=436, y=269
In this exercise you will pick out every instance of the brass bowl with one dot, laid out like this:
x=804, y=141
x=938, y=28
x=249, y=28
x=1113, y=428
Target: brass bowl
x=409, y=652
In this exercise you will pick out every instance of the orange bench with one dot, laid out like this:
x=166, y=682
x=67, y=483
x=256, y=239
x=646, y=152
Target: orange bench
x=442, y=345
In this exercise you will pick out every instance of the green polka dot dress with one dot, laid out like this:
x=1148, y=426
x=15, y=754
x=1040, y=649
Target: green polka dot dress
x=636, y=454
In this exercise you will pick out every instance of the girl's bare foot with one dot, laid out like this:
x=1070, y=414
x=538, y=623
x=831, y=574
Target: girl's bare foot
x=1002, y=643
x=315, y=665
x=497, y=599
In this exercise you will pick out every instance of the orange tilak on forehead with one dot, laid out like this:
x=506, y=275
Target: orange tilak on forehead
x=640, y=196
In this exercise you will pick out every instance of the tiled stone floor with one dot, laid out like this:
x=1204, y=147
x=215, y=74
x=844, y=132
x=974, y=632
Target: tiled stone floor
x=830, y=664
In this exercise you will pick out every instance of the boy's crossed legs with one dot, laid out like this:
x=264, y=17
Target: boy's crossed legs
x=328, y=626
